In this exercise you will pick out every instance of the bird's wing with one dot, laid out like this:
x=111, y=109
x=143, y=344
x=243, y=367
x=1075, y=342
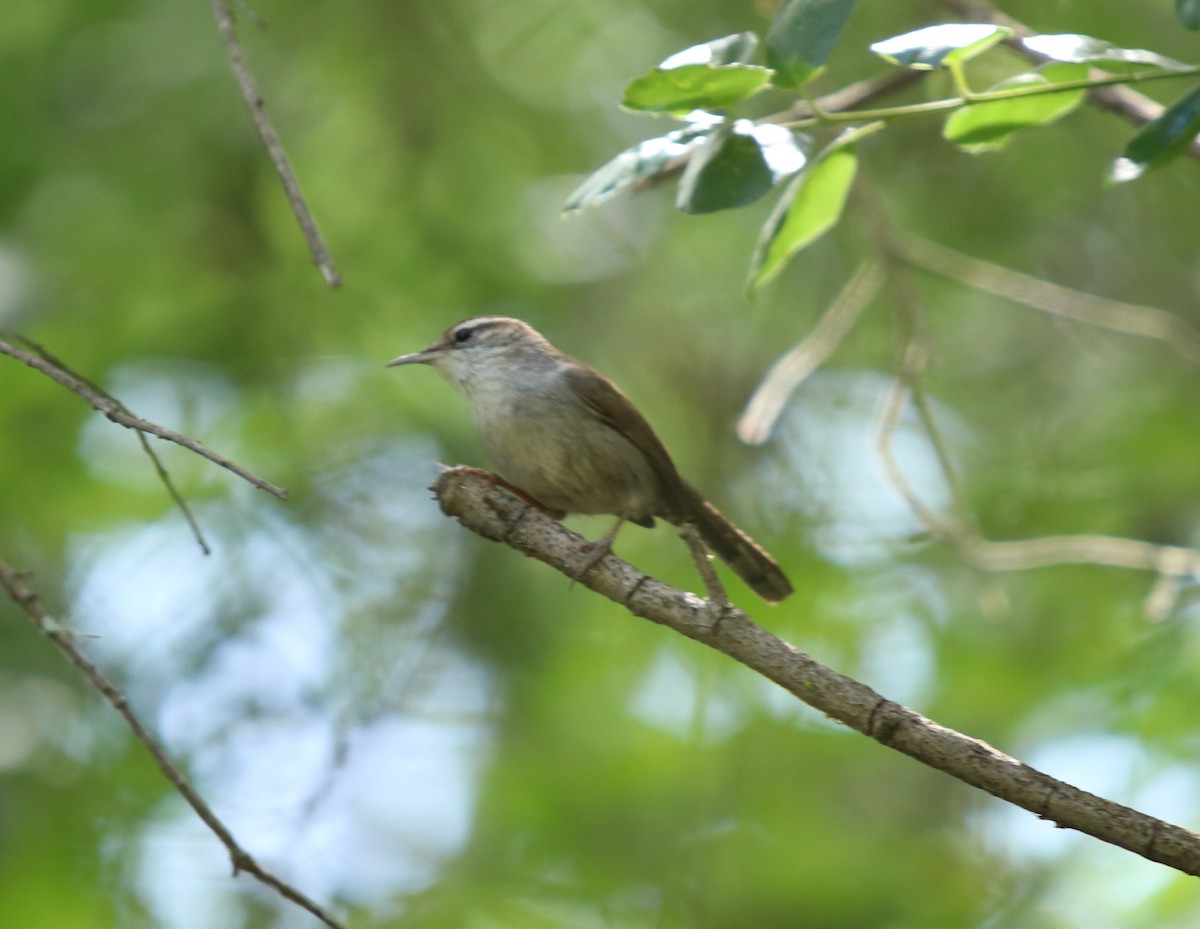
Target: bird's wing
x=612, y=408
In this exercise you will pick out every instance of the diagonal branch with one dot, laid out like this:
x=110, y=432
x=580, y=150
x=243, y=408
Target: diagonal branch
x=159, y=467
x=1145, y=322
x=116, y=412
x=270, y=139
x=242, y=860
x=483, y=508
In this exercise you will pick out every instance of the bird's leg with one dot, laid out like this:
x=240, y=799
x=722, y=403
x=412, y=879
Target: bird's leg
x=495, y=479
x=716, y=590
x=598, y=549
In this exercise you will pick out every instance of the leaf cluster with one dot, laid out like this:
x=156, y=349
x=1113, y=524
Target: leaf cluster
x=730, y=160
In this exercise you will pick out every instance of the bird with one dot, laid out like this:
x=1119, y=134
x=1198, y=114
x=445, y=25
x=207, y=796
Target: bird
x=566, y=439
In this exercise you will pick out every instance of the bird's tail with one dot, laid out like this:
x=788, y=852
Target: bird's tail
x=745, y=556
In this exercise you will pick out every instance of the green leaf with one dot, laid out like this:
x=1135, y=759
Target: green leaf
x=988, y=126
x=937, y=46
x=694, y=87
x=1188, y=12
x=801, y=37
x=810, y=207
x=780, y=147
x=728, y=171
x=731, y=49
x=634, y=166
x=1099, y=54
x=1159, y=140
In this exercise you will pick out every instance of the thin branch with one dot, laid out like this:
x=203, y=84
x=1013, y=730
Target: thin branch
x=1108, y=551
x=174, y=493
x=993, y=599
x=758, y=419
x=485, y=509
x=1128, y=318
x=1171, y=563
x=159, y=468
x=270, y=139
x=949, y=473
x=122, y=417
x=851, y=96
x=911, y=361
x=845, y=99
x=889, y=421
x=946, y=104
x=242, y=861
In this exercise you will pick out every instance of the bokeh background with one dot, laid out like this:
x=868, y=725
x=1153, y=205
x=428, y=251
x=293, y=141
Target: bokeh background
x=421, y=729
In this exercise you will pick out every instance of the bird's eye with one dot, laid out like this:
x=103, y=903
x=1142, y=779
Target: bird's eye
x=463, y=335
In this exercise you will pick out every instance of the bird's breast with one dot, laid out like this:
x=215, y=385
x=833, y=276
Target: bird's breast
x=554, y=447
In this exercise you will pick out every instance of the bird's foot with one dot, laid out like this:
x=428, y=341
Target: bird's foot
x=598, y=549
x=595, y=552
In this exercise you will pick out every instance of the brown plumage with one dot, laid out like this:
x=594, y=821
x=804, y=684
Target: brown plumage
x=571, y=440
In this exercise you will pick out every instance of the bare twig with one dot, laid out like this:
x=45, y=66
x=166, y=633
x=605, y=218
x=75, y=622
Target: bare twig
x=1171, y=563
x=159, y=468
x=174, y=493
x=889, y=421
x=1105, y=550
x=483, y=508
x=121, y=416
x=1129, y=318
x=291, y=186
x=242, y=861
x=788, y=372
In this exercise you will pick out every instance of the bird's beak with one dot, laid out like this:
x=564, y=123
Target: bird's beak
x=424, y=356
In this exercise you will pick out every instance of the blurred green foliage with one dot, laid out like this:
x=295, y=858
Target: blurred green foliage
x=421, y=729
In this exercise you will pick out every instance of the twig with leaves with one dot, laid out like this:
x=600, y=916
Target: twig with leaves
x=1122, y=100
x=727, y=156
x=487, y=510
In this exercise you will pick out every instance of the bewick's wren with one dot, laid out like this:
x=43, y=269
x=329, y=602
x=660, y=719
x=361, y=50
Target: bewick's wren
x=565, y=436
